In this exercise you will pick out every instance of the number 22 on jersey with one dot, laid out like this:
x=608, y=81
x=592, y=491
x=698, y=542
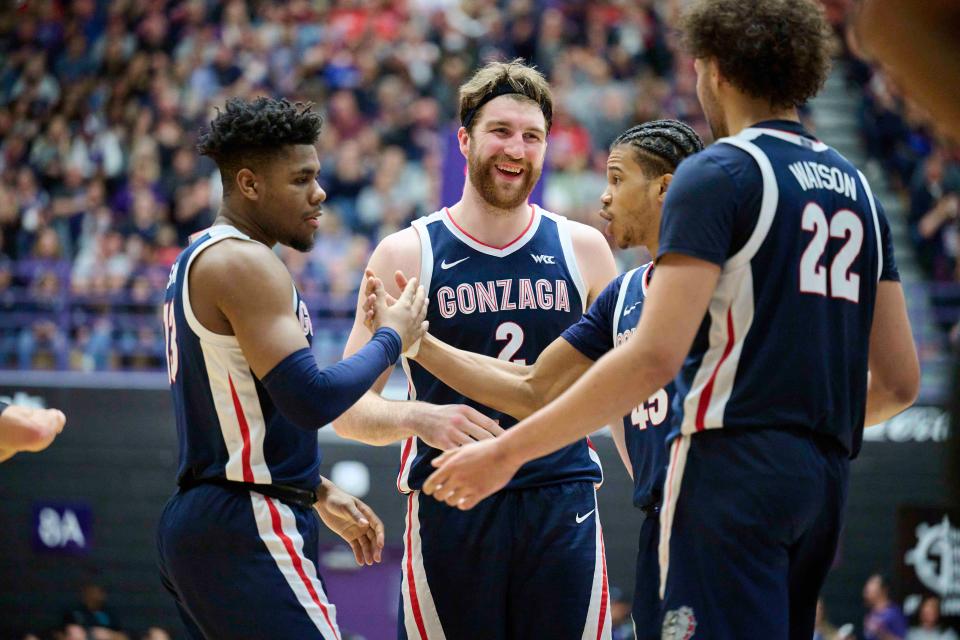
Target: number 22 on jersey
x=843, y=284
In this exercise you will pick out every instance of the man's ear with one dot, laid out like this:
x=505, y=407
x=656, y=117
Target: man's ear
x=463, y=137
x=665, y=181
x=248, y=184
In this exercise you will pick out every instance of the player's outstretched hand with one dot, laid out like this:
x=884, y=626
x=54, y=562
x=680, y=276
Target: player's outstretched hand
x=351, y=519
x=469, y=474
x=28, y=429
x=448, y=426
x=406, y=315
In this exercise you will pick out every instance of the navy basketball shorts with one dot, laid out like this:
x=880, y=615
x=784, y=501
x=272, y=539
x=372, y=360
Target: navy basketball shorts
x=749, y=530
x=524, y=563
x=646, y=591
x=241, y=565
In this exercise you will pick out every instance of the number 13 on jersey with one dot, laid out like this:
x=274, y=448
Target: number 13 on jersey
x=170, y=338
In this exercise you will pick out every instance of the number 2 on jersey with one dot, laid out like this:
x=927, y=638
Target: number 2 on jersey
x=844, y=285
x=513, y=334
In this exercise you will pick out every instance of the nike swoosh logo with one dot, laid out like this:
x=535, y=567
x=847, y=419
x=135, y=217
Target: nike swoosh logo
x=580, y=518
x=447, y=265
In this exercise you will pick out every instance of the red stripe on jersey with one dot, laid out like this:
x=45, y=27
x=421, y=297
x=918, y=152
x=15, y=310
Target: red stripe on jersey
x=244, y=432
x=403, y=460
x=590, y=443
x=708, y=389
x=193, y=236
x=414, y=601
x=297, y=562
x=605, y=594
x=522, y=233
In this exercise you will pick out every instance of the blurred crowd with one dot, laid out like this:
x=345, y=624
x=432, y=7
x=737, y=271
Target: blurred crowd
x=101, y=104
x=885, y=619
x=91, y=618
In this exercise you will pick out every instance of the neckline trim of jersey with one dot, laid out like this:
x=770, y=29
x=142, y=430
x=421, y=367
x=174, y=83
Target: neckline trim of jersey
x=515, y=244
x=645, y=277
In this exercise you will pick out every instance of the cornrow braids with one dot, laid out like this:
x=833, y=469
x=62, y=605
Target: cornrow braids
x=660, y=145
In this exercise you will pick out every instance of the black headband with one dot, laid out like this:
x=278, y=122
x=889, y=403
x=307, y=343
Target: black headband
x=502, y=88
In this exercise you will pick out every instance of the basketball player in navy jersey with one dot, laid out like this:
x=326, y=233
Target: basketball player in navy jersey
x=238, y=542
x=776, y=291
x=504, y=278
x=639, y=170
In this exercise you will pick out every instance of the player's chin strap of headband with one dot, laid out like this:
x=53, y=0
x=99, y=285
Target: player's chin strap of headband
x=502, y=88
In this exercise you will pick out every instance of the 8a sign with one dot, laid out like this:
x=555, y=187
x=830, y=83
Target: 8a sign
x=59, y=528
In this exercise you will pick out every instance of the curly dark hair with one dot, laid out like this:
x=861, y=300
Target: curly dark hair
x=779, y=50
x=660, y=145
x=245, y=131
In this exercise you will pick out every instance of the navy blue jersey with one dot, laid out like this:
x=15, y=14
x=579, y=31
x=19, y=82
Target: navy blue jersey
x=801, y=243
x=611, y=320
x=227, y=425
x=508, y=303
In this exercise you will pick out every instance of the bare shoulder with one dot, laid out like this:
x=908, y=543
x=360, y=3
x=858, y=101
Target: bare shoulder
x=587, y=238
x=593, y=256
x=398, y=251
x=237, y=265
x=399, y=246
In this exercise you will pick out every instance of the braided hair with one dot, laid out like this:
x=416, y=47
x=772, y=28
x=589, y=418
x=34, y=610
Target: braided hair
x=660, y=145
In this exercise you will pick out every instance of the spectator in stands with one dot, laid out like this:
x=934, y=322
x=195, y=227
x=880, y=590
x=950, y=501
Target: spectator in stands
x=934, y=196
x=72, y=631
x=620, y=620
x=930, y=627
x=92, y=611
x=823, y=629
x=884, y=619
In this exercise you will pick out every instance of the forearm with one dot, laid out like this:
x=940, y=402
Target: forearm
x=608, y=390
x=376, y=421
x=931, y=222
x=882, y=402
x=311, y=398
x=620, y=440
x=505, y=386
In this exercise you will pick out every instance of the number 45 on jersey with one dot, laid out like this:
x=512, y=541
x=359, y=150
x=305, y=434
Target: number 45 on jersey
x=652, y=412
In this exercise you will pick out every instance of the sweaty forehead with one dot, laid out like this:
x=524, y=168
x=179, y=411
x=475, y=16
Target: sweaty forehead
x=519, y=112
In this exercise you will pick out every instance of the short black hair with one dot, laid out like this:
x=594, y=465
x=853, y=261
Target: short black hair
x=244, y=130
x=776, y=50
x=660, y=145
